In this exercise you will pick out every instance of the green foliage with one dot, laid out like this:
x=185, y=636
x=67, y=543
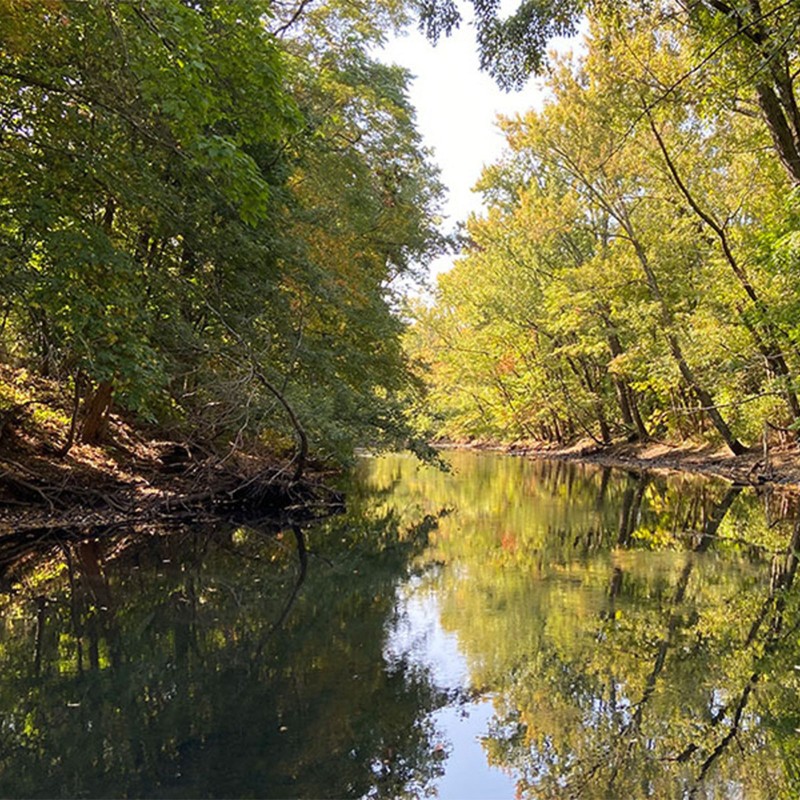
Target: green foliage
x=192, y=191
x=511, y=47
x=634, y=274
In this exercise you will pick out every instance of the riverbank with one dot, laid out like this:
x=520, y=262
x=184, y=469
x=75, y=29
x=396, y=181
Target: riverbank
x=137, y=475
x=781, y=467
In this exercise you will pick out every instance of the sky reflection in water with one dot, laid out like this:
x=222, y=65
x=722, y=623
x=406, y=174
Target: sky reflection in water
x=513, y=628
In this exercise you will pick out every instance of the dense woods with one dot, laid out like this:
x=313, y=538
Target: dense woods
x=209, y=212
x=635, y=271
x=206, y=210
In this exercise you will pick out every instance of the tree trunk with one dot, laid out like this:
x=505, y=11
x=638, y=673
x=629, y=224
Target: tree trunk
x=770, y=348
x=557, y=428
x=96, y=412
x=775, y=87
x=622, y=402
x=626, y=398
x=641, y=428
x=775, y=363
x=783, y=138
x=301, y=455
x=706, y=401
x=73, y=421
x=733, y=444
x=605, y=432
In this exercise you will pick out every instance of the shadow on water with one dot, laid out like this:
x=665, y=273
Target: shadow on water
x=612, y=635
x=214, y=661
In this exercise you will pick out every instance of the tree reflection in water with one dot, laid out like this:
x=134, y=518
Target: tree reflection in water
x=213, y=663
x=637, y=636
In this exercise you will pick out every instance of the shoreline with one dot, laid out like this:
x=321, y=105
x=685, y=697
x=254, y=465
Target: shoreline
x=130, y=480
x=749, y=469
x=133, y=479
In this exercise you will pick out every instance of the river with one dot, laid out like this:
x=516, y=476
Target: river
x=510, y=628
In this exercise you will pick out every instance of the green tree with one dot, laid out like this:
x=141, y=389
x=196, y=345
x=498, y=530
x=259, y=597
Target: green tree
x=621, y=271
x=206, y=211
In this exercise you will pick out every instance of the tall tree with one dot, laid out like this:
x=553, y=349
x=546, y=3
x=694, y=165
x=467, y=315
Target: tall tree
x=628, y=222
x=206, y=209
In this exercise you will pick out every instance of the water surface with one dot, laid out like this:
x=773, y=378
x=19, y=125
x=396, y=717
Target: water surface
x=509, y=629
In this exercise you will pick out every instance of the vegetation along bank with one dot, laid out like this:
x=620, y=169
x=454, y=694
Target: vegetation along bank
x=208, y=213
x=634, y=276
x=205, y=212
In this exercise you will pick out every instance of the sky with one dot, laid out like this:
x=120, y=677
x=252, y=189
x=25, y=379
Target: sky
x=457, y=107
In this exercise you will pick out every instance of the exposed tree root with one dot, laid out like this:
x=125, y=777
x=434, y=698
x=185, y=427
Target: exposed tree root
x=40, y=500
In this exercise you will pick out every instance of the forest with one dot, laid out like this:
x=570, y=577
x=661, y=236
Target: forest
x=635, y=271
x=206, y=214
x=211, y=214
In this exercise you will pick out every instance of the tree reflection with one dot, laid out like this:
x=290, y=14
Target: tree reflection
x=217, y=662
x=638, y=634
x=638, y=637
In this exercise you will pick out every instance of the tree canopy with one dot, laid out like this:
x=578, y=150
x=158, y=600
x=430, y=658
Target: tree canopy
x=634, y=271
x=205, y=210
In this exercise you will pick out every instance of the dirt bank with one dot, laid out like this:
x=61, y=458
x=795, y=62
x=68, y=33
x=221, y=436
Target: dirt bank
x=135, y=477
x=780, y=467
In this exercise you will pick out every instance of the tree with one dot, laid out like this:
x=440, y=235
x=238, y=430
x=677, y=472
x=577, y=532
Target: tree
x=735, y=36
x=624, y=243
x=206, y=209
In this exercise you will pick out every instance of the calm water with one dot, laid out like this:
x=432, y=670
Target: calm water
x=511, y=629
